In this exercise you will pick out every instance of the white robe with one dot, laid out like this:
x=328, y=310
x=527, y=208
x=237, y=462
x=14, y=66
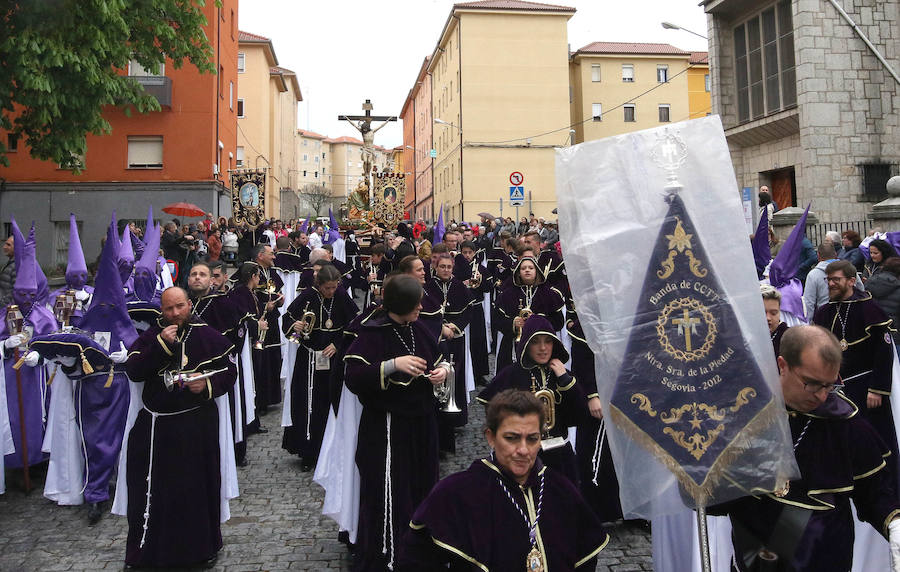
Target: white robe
x=64, y=441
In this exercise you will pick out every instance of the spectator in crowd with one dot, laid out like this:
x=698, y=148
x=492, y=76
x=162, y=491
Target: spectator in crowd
x=230, y=245
x=766, y=204
x=7, y=273
x=765, y=189
x=835, y=238
x=879, y=251
x=850, y=240
x=214, y=244
x=884, y=286
x=815, y=292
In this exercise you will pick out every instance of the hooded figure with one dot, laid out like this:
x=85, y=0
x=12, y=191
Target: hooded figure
x=125, y=259
x=783, y=272
x=143, y=302
x=527, y=290
x=76, y=275
x=38, y=319
x=540, y=358
x=103, y=395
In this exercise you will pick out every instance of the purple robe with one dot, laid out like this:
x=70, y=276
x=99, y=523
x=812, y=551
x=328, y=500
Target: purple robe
x=840, y=457
x=33, y=391
x=181, y=430
x=469, y=522
x=776, y=337
x=568, y=395
x=542, y=299
x=309, y=416
x=267, y=361
x=477, y=331
x=289, y=262
x=868, y=360
x=599, y=483
x=245, y=314
x=456, y=311
x=398, y=428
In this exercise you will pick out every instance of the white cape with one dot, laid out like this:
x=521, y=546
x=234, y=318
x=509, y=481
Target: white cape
x=336, y=470
x=7, y=446
x=66, y=472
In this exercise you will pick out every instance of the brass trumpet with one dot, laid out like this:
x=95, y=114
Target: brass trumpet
x=307, y=320
x=524, y=313
x=475, y=280
x=548, y=400
x=445, y=392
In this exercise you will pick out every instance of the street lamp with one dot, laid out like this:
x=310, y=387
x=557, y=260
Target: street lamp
x=440, y=121
x=671, y=26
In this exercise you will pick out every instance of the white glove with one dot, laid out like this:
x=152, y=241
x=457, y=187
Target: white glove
x=894, y=537
x=67, y=361
x=119, y=356
x=81, y=295
x=32, y=358
x=14, y=341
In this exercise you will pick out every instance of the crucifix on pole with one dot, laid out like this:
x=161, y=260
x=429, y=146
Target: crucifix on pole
x=363, y=124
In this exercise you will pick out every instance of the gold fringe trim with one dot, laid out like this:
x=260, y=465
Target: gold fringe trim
x=700, y=492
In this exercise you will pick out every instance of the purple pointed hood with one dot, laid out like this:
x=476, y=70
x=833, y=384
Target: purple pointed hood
x=439, y=227
x=26, y=287
x=762, y=251
x=333, y=234
x=137, y=245
x=125, y=260
x=784, y=267
x=150, y=223
x=108, y=312
x=43, y=285
x=145, y=268
x=76, y=269
x=304, y=228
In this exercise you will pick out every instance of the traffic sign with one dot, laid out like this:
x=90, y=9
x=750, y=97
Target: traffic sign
x=432, y=153
x=516, y=178
x=517, y=196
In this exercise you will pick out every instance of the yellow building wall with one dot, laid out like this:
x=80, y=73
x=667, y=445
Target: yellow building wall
x=253, y=128
x=699, y=100
x=514, y=83
x=611, y=93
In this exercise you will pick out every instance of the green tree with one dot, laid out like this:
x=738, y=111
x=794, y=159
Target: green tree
x=62, y=63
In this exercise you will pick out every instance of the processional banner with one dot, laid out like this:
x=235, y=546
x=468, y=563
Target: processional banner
x=248, y=196
x=676, y=322
x=389, y=198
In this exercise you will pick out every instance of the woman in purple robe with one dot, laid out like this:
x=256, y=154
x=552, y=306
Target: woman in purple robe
x=245, y=307
x=507, y=511
x=397, y=448
x=456, y=311
x=173, y=448
x=540, y=356
x=333, y=309
x=527, y=290
x=430, y=314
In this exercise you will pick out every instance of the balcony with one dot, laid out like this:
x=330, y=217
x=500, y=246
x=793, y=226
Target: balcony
x=158, y=86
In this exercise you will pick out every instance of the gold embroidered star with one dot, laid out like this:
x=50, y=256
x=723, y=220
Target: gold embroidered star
x=679, y=239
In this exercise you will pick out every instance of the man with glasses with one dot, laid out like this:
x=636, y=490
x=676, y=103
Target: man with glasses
x=807, y=524
x=863, y=333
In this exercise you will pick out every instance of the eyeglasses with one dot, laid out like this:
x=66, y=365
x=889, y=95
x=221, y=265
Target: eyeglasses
x=836, y=279
x=815, y=386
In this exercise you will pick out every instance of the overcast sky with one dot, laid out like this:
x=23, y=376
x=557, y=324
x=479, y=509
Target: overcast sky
x=345, y=51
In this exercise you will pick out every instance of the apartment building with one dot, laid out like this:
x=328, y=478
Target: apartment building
x=180, y=153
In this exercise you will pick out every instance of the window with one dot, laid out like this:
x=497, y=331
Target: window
x=61, y=240
x=595, y=72
x=664, y=113
x=239, y=157
x=305, y=158
x=240, y=109
x=874, y=179
x=323, y=170
x=241, y=62
x=596, y=111
x=145, y=152
x=317, y=174
x=233, y=24
x=222, y=81
x=230, y=95
x=316, y=158
x=764, y=63
x=627, y=72
x=304, y=173
x=662, y=73
x=629, y=112
x=136, y=69
x=706, y=82
x=12, y=143
x=323, y=155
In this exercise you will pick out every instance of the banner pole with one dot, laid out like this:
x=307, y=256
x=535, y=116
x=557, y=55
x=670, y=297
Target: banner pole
x=703, y=531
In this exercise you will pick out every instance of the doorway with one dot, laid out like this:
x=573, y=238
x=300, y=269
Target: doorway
x=783, y=186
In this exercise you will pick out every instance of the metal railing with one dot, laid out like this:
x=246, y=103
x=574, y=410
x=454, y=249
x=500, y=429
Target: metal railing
x=816, y=232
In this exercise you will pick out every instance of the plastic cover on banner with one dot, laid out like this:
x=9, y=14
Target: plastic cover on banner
x=665, y=288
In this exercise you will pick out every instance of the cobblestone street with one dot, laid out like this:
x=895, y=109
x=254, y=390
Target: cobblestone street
x=275, y=524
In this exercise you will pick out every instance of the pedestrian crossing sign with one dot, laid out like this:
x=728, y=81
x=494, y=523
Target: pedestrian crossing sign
x=517, y=196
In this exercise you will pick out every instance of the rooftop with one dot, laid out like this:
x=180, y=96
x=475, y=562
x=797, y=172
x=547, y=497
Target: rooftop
x=513, y=5
x=632, y=48
x=699, y=58
x=344, y=139
x=248, y=37
x=311, y=134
